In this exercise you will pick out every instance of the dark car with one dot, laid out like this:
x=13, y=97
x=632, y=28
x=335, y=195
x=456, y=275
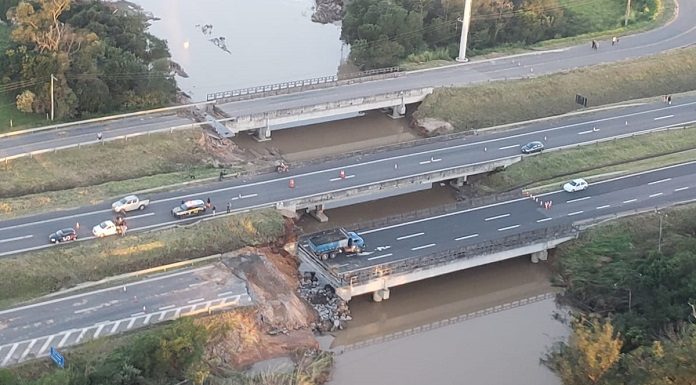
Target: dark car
x=63, y=235
x=531, y=147
x=189, y=208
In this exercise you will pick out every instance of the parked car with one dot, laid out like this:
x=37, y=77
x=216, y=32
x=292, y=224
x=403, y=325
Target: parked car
x=105, y=229
x=531, y=147
x=189, y=208
x=129, y=203
x=575, y=185
x=63, y=235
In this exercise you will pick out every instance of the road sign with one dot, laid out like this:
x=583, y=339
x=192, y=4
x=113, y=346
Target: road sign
x=57, y=357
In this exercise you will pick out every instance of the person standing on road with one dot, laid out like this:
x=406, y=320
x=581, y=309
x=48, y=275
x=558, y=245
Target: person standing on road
x=594, y=45
x=213, y=210
x=614, y=40
x=229, y=207
x=208, y=203
x=669, y=100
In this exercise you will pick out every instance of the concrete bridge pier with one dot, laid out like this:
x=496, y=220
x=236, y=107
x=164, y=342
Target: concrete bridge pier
x=318, y=213
x=263, y=133
x=542, y=255
x=459, y=182
x=398, y=111
x=381, y=294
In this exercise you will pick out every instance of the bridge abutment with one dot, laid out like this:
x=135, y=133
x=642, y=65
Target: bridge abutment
x=318, y=213
x=380, y=295
x=459, y=182
x=263, y=134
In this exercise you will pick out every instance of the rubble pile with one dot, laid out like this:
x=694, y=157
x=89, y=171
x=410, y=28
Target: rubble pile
x=328, y=11
x=333, y=311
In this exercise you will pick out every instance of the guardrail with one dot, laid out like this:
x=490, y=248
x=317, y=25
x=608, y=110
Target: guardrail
x=301, y=85
x=367, y=274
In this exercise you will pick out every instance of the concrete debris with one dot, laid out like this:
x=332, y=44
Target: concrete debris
x=333, y=311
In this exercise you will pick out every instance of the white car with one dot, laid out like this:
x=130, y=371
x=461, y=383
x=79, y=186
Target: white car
x=575, y=185
x=105, y=229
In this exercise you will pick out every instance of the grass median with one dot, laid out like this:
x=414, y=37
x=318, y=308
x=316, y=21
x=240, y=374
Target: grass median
x=642, y=152
x=37, y=273
x=520, y=100
x=90, y=174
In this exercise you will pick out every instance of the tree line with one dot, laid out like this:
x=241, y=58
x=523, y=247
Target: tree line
x=384, y=32
x=101, y=60
x=634, y=284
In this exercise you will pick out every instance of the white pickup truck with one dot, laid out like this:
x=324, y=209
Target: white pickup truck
x=129, y=203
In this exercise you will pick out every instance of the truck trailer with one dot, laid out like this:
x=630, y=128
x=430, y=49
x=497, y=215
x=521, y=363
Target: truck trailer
x=330, y=243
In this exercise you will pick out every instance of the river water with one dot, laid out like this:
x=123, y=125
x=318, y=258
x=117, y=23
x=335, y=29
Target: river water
x=265, y=42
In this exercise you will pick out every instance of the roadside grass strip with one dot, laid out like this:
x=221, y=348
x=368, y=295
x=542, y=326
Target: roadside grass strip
x=628, y=155
x=513, y=101
x=41, y=272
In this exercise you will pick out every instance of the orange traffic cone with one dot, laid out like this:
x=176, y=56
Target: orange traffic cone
x=291, y=183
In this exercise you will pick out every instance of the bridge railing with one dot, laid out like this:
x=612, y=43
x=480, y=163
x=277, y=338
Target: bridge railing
x=444, y=257
x=302, y=85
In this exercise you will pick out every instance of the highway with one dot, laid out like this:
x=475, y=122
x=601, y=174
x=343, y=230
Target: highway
x=63, y=321
x=31, y=232
x=12, y=146
x=679, y=33
x=658, y=188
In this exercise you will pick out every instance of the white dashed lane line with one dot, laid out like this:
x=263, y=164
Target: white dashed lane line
x=630, y=201
x=466, y=237
x=496, y=217
x=575, y=213
x=508, y=228
x=578, y=199
x=422, y=247
x=664, y=117
x=409, y=236
x=602, y=207
x=16, y=238
x=506, y=147
x=379, y=257
x=680, y=189
x=655, y=195
x=660, y=181
x=543, y=220
x=339, y=178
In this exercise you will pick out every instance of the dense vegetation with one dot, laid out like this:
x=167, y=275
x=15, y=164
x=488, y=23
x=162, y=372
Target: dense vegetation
x=637, y=279
x=102, y=60
x=384, y=32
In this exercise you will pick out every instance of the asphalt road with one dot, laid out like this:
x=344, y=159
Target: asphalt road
x=680, y=32
x=29, y=331
x=42, y=140
x=453, y=230
x=31, y=232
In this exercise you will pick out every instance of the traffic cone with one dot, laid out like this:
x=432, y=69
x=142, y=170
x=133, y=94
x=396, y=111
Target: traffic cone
x=342, y=174
x=291, y=183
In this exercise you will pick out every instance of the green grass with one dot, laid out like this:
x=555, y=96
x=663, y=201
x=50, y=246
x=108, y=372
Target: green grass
x=593, y=160
x=41, y=272
x=514, y=101
x=138, y=157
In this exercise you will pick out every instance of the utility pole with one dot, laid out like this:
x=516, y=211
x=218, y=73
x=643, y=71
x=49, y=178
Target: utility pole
x=52, y=99
x=466, y=20
x=628, y=12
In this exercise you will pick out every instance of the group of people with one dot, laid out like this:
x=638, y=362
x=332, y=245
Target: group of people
x=614, y=41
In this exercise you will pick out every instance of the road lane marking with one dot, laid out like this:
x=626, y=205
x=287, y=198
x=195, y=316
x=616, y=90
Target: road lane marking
x=508, y=228
x=630, y=201
x=167, y=307
x=497, y=217
x=64, y=339
x=45, y=345
x=575, y=213
x=654, y=195
x=147, y=319
x=9, y=355
x=161, y=317
x=138, y=314
x=680, y=189
x=586, y=132
x=422, y=247
x=195, y=300
x=28, y=349
x=409, y=236
x=578, y=199
x=177, y=313
x=130, y=324
x=16, y=238
x=506, y=147
x=660, y=181
x=602, y=207
x=115, y=327
x=221, y=294
x=82, y=334
x=543, y=220
x=664, y=117
x=139, y=216
x=248, y=196
x=380, y=256
x=105, y=290
x=99, y=329
x=339, y=178
x=198, y=284
x=466, y=237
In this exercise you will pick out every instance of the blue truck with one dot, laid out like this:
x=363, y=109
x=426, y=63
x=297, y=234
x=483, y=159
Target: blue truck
x=328, y=244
